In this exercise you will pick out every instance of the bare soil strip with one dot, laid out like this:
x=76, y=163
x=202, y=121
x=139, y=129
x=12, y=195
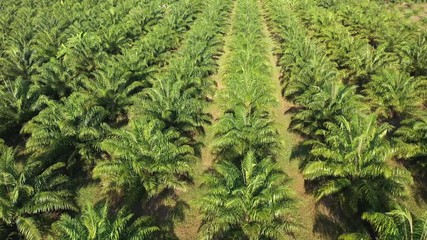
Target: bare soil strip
x=188, y=228
x=306, y=212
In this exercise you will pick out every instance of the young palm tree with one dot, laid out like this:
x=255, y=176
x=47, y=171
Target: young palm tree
x=141, y=19
x=416, y=52
x=243, y=130
x=28, y=194
x=17, y=60
x=253, y=93
x=53, y=80
x=82, y=54
x=394, y=95
x=323, y=103
x=306, y=67
x=19, y=100
x=147, y=158
x=48, y=37
x=134, y=68
x=398, y=224
x=99, y=222
x=114, y=38
x=69, y=131
x=111, y=90
x=412, y=141
x=175, y=105
x=366, y=62
x=249, y=201
x=351, y=166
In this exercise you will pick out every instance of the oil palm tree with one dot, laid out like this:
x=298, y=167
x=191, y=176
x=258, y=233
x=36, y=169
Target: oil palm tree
x=54, y=80
x=68, y=131
x=411, y=140
x=134, y=68
x=50, y=33
x=416, y=54
x=17, y=59
x=243, y=130
x=323, y=103
x=398, y=224
x=19, y=100
x=248, y=201
x=29, y=194
x=253, y=93
x=82, y=54
x=351, y=166
x=146, y=158
x=306, y=67
x=111, y=90
x=394, y=95
x=366, y=62
x=114, y=38
x=142, y=18
x=176, y=105
x=99, y=222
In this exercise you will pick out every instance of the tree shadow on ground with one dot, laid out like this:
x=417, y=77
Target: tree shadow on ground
x=420, y=189
x=300, y=152
x=165, y=209
x=331, y=221
x=420, y=178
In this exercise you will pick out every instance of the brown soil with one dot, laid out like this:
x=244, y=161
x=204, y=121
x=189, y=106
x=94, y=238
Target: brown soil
x=189, y=227
x=306, y=207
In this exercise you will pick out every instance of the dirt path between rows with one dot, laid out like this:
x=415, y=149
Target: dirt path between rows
x=188, y=228
x=306, y=211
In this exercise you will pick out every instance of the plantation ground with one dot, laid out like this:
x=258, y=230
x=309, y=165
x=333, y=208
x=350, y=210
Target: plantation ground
x=188, y=229
x=213, y=119
x=416, y=12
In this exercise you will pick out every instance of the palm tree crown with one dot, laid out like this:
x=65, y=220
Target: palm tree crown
x=243, y=130
x=146, y=156
x=28, y=192
x=398, y=224
x=98, y=222
x=249, y=201
x=395, y=95
x=352, y=163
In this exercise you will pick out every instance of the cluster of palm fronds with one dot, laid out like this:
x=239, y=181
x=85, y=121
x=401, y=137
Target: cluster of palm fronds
x=100, y=93
x=358, y=80
x=247, y=194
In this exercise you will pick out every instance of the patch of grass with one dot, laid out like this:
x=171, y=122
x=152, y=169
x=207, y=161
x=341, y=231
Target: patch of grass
x=416, y=12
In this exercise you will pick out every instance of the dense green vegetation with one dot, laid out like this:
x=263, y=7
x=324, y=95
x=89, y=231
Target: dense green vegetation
x=359, y=85
x=112, y=95
x=103, y=113
x=247, y=196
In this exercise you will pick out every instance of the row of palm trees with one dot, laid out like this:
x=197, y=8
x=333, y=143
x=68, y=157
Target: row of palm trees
x=79, y=122
x=350, y=149
x=37, y=44
x=44, y=48
x=395, y=82
x=247, y=195
x=390, y=61
x=83, y=132
x=153, y=155
x=33, y=196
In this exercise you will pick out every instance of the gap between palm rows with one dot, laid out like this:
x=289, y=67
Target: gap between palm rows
x=245, y=130
x=220, y=104
x=187, y=229
x=306, y=211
